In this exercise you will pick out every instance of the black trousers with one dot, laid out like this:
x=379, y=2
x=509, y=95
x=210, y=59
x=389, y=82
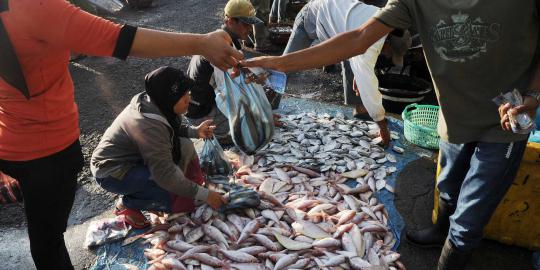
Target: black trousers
x=48, y=186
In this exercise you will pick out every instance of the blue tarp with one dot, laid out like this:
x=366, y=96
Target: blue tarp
x=111, y=256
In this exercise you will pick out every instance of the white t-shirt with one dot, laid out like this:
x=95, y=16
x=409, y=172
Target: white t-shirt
x=333, y=17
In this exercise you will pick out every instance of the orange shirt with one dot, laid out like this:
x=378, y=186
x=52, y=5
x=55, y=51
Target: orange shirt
x=43, y=32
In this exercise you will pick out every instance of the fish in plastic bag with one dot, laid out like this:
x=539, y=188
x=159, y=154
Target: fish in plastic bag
x=248, y=110
x=213, y=160
x=105, y=231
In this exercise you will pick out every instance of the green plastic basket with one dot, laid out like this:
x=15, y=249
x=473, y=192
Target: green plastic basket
x=420, y=125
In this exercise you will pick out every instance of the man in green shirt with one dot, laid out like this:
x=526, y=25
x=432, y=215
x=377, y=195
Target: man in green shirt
x=475, y=50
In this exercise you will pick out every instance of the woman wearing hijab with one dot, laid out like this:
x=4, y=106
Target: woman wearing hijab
x=145, y=155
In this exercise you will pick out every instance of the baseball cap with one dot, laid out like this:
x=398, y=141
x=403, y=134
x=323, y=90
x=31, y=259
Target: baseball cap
x=242, y=10
x=399, y=46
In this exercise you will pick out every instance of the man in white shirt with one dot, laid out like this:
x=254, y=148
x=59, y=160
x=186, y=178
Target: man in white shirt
x=320, y=20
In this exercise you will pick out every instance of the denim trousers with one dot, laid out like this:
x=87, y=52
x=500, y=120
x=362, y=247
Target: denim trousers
x=300, y=40
x=139, y=190
x=278, y=10
x=474, y=177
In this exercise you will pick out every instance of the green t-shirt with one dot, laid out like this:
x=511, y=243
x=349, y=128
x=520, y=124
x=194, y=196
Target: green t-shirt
x=475, y=49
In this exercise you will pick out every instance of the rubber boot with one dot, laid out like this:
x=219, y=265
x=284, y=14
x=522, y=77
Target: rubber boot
x=453, y=259
x=435, y=235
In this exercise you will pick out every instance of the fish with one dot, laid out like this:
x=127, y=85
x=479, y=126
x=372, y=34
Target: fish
x=291, y=244
x=335, y=261
x=309, y=229
x=215, y=234
x=194, y=235
x=253, y=250
x=266, y=242
x=327, y=243
x=285, y=261
x=223, y=227
x=238, y=256
x=179, y=245
x=250, y=228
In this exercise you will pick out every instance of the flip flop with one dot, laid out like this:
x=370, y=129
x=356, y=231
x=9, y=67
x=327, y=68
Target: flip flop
x=133, y=217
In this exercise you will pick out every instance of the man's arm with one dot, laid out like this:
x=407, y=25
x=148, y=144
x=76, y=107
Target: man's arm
x=336, y=49
x=213, y=46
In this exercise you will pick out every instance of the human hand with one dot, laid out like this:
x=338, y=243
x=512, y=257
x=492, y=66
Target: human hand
x=218, y=50
x=530, y=105
x=355, y=87
x=277, y=122
x=215, y=200
x=384, y=133
x=206, y=129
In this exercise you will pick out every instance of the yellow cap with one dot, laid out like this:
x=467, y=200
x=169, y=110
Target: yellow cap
x=242, y=9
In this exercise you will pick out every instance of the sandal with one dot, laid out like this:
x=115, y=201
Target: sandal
x=132, y=217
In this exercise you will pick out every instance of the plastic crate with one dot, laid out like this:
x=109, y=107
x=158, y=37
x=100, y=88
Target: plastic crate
x=516, y=220
x=420, y=125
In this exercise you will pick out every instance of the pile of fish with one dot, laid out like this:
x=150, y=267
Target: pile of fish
x=316, y=182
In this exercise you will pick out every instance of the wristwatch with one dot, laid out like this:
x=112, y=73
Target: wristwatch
x=533, y=93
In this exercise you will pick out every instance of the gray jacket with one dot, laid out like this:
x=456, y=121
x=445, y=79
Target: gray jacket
x=141, y=135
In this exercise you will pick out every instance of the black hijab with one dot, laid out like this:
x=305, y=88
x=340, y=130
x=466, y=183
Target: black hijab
x=166, y=86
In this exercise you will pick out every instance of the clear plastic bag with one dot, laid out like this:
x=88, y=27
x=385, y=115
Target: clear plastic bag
x=248, y=110
x=521, y=123
x=213, y=160
x=105, y=231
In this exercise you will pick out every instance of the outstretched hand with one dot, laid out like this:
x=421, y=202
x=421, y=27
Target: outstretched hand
x=219, y=52
x=206, y=129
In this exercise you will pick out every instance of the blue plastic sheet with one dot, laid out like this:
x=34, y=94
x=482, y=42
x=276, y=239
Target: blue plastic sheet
x=111, y=256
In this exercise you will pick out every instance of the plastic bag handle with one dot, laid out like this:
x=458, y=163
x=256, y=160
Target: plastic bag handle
x=410, y=107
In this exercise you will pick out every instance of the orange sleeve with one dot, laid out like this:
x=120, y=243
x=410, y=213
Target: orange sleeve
x=64, y=26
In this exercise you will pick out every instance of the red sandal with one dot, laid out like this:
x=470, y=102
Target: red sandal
x=133, y=217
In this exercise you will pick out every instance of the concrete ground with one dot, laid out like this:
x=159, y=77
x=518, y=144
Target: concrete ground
x=105, y=85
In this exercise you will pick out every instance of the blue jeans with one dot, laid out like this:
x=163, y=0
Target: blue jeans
x=475, y=177
x=348, y=92
x=300, y=40
x=138, y=190
x=278, y=10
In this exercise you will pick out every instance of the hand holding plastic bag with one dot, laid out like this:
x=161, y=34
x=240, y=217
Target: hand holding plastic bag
x=213, y=160
x=520, y=123
x=248, y=110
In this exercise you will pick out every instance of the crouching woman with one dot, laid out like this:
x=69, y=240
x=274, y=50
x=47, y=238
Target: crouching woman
x=145, y=154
